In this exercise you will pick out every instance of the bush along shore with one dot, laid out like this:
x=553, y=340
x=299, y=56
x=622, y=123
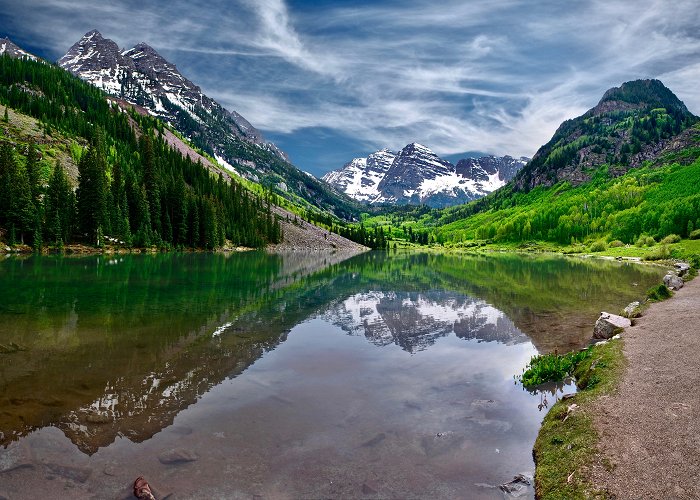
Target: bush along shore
x=566, y=448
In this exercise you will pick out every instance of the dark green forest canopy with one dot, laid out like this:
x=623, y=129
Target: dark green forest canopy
x=135, y=190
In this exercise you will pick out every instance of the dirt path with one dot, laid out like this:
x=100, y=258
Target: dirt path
x=650, y=429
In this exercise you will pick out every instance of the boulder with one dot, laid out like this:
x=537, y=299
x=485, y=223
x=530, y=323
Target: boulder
x=682, y=268
x=673, y=282
x=609, y=325
x=634, y=310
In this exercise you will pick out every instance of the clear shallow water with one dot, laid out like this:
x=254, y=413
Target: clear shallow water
x=291, y=376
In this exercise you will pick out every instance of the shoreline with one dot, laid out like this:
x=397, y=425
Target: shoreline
x=578, y=449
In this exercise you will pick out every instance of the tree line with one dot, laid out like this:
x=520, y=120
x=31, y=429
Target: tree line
x=131, y=187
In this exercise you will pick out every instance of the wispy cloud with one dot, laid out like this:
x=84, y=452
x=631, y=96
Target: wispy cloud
x=459, y=76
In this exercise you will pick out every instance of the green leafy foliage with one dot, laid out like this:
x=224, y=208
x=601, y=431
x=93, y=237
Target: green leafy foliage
x=552, y=367
x=659, y=293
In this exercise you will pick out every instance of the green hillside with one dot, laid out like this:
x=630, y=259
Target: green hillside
x=130, y=186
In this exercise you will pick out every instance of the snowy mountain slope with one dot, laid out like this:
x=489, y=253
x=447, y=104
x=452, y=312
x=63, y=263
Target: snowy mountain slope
x=360, y=178
x=417, y=175
x=142, y=77
x=12, y=50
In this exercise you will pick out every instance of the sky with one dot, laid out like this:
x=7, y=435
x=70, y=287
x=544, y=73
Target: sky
x=330, y=80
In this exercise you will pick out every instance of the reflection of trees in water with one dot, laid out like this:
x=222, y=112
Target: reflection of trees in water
x=121, y=344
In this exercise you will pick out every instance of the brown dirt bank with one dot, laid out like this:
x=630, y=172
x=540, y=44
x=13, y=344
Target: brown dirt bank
x=649, y=428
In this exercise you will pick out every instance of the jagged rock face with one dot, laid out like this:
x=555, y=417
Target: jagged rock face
x=360, y=178
x=636, y=122
x=482, y=168
x=417, y=175
x=12, y=50
x=143, y=77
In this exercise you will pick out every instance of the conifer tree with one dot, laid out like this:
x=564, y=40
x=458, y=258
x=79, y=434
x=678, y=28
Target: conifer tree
x=58, y=207
x=21, y=212
x=92, y=194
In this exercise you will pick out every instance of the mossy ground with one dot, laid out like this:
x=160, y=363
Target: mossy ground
x=566, y=447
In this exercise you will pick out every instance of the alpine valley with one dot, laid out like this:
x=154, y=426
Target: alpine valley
x=184, y=309
x=416, y=175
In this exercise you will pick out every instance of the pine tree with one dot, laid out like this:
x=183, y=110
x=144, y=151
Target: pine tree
x=21, y=213
x=6, y=117
x=151, y=181
x=92, y=190
x=58, y=207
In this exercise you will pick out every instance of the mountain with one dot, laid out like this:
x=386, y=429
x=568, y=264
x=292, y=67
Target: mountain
x=12, y=50
x=417, y=175
x=625, y=172
x=631, y=124
x=360, y=178
x=143, y=78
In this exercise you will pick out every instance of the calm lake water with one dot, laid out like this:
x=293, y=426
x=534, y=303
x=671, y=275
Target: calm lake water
x=284, y=376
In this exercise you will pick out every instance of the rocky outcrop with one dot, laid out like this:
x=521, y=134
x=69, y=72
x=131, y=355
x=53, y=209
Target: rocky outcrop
x=609, y=325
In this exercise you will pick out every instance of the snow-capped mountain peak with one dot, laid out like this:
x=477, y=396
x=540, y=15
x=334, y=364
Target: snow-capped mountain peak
x=418, y=175
x=12, y=50
x=141, y=76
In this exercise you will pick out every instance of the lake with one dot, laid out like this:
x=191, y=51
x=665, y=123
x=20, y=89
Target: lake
x=304, y=375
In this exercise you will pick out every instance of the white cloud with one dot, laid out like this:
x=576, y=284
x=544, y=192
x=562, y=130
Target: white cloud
x=489, y=76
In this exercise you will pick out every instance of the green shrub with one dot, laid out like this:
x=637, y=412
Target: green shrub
x=616, y=244
x=671, y=238
x=598, y=246
x=694, y=235
x=551, y=367
x=659, y=292
x=660, y=253
x=645, y=241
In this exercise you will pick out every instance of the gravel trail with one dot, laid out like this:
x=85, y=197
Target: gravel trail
x=650, y=428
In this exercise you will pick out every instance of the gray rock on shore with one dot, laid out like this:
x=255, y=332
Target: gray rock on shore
x=673, y=282
x=682, y=268
x=634, y=310
x=609, y=325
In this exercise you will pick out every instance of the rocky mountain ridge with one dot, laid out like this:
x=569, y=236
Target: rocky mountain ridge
x=141, y=77
x=416, y=175
x=12, y=50
x=631, y=124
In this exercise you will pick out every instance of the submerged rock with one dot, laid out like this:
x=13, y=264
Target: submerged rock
x=77, y=474
x=673, y=282
x=609, y=325
x=177, y=456
x=518, y=487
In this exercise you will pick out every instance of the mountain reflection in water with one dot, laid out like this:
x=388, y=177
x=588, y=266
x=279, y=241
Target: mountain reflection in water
x=110, y=348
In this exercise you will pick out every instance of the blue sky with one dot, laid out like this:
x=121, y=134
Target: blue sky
x=330, y=80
